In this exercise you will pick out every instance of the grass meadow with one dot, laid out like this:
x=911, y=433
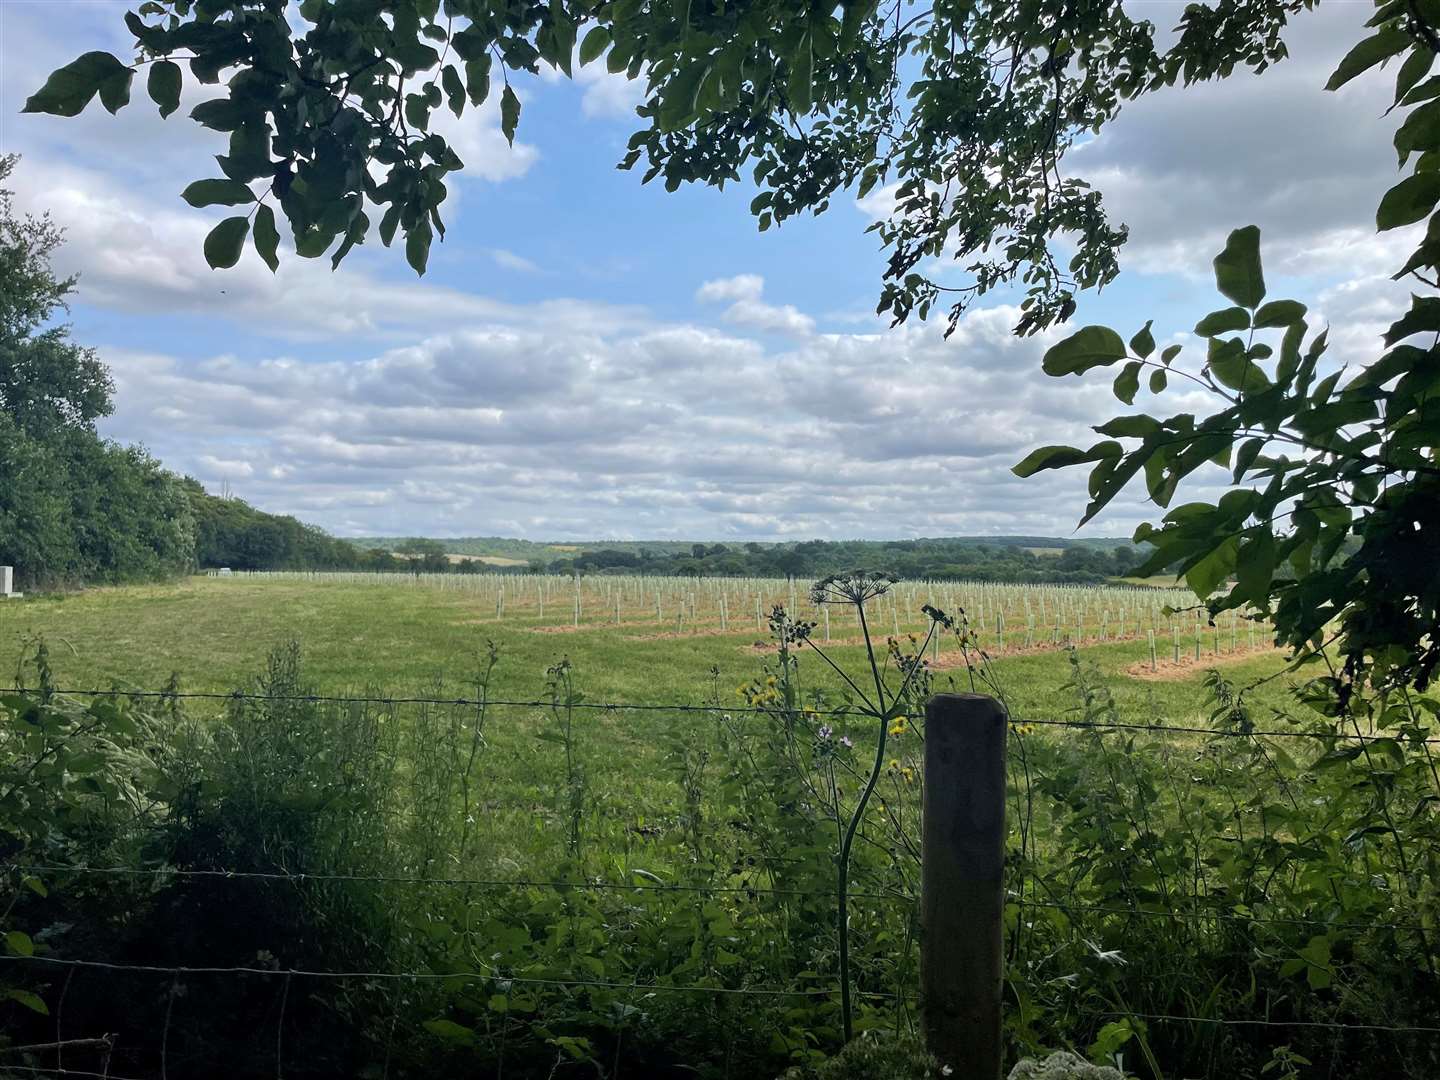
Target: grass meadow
x=214, y=634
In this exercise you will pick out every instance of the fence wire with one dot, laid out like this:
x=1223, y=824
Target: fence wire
x=714, y=710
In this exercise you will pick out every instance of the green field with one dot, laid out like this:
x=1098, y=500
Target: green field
x=401, y=633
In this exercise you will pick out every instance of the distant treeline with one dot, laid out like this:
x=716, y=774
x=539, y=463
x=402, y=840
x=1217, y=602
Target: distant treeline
x=961, y=558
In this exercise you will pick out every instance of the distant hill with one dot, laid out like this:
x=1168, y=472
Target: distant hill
x=506, y=547
x=1035, y=559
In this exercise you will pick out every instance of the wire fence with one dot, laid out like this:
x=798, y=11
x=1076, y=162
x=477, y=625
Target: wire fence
x=688, y=708
x=499, y=977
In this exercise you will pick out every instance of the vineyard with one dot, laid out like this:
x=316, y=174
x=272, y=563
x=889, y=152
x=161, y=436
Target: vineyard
x=1003, y=617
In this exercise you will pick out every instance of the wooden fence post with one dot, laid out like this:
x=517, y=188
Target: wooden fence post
x=962, y=882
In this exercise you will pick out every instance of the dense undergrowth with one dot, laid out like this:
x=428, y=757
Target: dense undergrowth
x=1280, y=892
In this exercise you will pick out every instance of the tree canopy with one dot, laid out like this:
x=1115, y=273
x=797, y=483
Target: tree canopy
x=967, y=109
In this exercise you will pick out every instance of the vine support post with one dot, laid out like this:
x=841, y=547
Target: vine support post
x=962, y=883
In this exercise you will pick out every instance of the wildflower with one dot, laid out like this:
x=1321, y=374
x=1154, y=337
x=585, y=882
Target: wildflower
x=845, y=742
x=894, y=764
x=908, y=774
x=898, y=727
x=825, y=731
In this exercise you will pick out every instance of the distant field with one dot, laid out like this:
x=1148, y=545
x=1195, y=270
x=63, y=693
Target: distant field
x=402, y=633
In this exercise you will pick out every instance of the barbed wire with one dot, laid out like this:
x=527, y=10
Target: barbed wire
x=1403, y=1029
x=53, y=1070
x=299, y=877
x=710, y=710
x=1209, y=916
x=178, y=970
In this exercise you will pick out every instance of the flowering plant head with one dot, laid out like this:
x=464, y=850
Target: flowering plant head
x=789, y=631
x=851, y=587
x=939, y=617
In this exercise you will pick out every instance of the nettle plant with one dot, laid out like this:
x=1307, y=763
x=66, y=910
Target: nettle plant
x=1330, y=528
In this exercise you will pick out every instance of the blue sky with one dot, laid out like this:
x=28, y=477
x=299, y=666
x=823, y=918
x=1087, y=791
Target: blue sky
x=590, y=358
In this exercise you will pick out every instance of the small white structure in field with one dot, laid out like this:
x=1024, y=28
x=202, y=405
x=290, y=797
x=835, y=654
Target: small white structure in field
x=7, y=583
x=224, y=571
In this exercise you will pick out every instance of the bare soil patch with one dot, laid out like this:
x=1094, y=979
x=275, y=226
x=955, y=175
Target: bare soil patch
x=1169, y=670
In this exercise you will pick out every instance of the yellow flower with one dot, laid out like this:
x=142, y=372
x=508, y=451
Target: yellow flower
x=894, y=763
x=908, y=774
x=898, y=727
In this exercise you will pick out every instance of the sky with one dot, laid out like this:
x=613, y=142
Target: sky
x=590, y=358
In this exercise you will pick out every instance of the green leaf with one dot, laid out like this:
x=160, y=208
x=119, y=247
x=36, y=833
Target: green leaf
x=1416, y=66
x=1223, y=322
x=1169, y=353
x=509, y=115
x=1246, y=455
x=1060, y=457
x=454, y=89
x=225, y=242
x=163, y=85
x=450, y=1031
x=1213, y=568
x=29, y=1000
x=1088, y=347
x=1420, y=131
x=19, y=943
x=1158, y=381
x=1143, y=343
x=417, y=247
x=267, y=237
x=1255, y=567
x=1279, y=313
x=1127, y=383
x=1238, y=275
x=1228, y=362
x=1408, y=201
x=594, y=43
x=69, y=89
x=217, y=193
x=477, y=79
x=1423, y=317
x=1368, y=53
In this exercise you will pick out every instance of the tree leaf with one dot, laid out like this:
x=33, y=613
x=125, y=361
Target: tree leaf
x=1088, y=347
x=417, y=247
x=1279, y=313
x=1238, y=275
x=1143, y=343
x=1408, y=201
x=26, y=998
x=1223, y=322
x=1158, y=381
x=163, y=85
x=593, y=44
x=1060, y=457
x=217, y=193
x=225, y=242
x=1233, y=368
x=1127, y=383
x=477, y=79
x=19, y=943
x=509, y=114
x=449, y=1030
x=267, y=237
x=454, y=89
x=69, y=89
x=1367, y=53
x=1423, y=317
x=1212, y=568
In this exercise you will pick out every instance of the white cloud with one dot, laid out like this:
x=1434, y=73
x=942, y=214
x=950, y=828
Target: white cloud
x=510, y=261
x=750, y=311
x=608, y=96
